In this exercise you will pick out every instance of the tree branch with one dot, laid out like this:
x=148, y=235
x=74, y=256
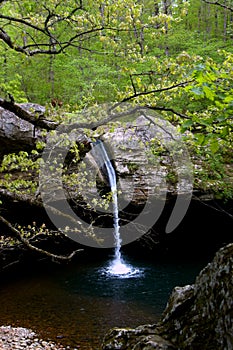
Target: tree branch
x=157, y=108
x=22, y=21
x=18, y=235
x=24, y=49
x=217, y=207
x=34, y=49
x=32, y=201
x=5, y=37
x=36, y=118
x=44, y=28
x=144, y=93
x=217, y=3
x=39, y=120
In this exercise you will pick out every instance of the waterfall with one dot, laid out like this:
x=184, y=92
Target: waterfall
x=103, y=159
x=117, y=266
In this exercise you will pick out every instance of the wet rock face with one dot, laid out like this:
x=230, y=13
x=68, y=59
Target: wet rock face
x=196, y=317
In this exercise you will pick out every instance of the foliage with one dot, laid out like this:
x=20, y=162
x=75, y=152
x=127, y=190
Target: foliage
x=17, y=172
x=172, y=56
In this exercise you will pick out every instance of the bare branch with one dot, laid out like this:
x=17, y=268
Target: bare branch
x=144, y=93
x=22, y=21
x=217, y=206
x=161, y=126
x=217, y=3
x=10, y=264
x=49, y=48
x=5, y=37
x=34, y=248
x=25, y=49
x=133, y=85
x=53, y=46
x=32, y=201
x=165, y=109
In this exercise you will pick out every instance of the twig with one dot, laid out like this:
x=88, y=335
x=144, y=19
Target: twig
x=144, y=93
x=10, y=264
x=217, y=3
x=32, y=247
x=219, y=209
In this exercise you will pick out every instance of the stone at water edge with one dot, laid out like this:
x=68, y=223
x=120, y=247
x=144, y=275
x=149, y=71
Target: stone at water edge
x=196, y=317
x=143, y=337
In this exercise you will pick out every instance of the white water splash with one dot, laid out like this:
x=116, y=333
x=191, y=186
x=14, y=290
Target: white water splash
x=118, y=268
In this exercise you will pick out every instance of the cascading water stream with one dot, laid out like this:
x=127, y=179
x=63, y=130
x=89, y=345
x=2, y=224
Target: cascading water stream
x=117, y=267
x=113, y=185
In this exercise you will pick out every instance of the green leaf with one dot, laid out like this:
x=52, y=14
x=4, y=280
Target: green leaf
x=220, y=105
x=210, y=94
x=224, y=132
x=228, y=99
x=200, y=138
x=197, y=91
x=187, y=124
x=214, y=146
x=206, y=122
x=221, y=118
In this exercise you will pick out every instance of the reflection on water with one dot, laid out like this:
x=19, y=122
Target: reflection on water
x=76, y=305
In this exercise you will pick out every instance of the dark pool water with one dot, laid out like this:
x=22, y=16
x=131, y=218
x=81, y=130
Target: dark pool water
x=76, y=304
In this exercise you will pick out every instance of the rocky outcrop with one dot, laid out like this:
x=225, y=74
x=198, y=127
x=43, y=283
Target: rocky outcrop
x=142, y=338
x=147, y=160
x=198, y=316
x=143, y=171
x=15, y=133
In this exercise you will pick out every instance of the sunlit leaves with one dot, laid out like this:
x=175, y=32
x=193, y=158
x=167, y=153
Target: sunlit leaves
x=13, y=87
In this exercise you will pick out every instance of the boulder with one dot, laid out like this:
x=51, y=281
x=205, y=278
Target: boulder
x=17, y=134
x=197, y=317
x=142, y=338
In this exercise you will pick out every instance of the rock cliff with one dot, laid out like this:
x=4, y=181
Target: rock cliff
x=150, y=159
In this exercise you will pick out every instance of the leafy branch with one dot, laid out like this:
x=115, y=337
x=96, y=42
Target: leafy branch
x=49, y=43
x=27, y=243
